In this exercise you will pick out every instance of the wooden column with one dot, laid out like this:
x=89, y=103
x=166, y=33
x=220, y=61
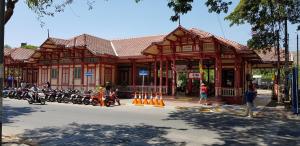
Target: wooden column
x=155, y=74
x=161, y=74
x=167, y=75
x=133, y=74
x=173, y=76
x=218, y=70
x=190, y=83
x=237, y=77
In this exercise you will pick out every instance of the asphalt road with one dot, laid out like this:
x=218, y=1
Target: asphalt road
x=68, y=124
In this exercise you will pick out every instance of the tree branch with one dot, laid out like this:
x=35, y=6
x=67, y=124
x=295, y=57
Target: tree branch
x=10, y=6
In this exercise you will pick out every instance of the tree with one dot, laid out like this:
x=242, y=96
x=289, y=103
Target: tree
x=32, y=47
x=7, y=46
x=40, y=7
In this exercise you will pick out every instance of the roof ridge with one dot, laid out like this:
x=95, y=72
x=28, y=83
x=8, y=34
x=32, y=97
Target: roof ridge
x=113, y=47
x=141, y=37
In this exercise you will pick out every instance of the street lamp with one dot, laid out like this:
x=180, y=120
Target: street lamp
x=297, y=71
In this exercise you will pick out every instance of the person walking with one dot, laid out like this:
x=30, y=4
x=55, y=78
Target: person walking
x=48, y=85
x=203, y=93
x=250, y=96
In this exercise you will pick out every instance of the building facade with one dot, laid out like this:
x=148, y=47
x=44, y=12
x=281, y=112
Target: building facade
x=183, y=58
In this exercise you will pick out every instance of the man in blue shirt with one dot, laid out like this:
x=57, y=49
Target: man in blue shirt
x=250, y=96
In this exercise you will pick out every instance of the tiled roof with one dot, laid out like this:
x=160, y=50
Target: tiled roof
x=7, y=51
x=271, y=56
x=234, y=44
x=58, y=41
x=21, y=54
x=94, y=44
x=201, y=33
x=134, y=46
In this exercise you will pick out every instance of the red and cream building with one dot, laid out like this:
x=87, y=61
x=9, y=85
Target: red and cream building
x=181, y=53
x=19, y=64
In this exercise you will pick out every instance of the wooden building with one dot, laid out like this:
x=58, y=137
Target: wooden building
x=19, y=64
x=86, y=61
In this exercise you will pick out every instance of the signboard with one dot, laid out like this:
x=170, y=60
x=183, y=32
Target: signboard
x=143, y=73
x=88, y=74
x=194, y=75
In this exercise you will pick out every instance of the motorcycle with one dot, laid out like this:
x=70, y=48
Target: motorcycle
x=18, y=94
x=59, y=96
x=96, y=99
x=51, y=97
x=36, y=97
x=87, y=98
x=11, y=93
x=74, y=96
x=24, y=94
x=5, y=92
x=111, y=100
x=67, y=96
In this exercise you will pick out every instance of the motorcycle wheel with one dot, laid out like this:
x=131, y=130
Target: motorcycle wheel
x=95, y=102
x=107, y=104
x=74, y=101
x=30, y=101
x=86, y=101
x=66, y=100
x=43, y=102
x=79, y=101
x=59, y=100
x=51, y=99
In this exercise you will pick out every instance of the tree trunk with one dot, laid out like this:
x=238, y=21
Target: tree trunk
x=2, y=9
x=10, y=6
x=286, y=66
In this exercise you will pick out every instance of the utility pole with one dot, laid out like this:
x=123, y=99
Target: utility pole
x=286, y=66
x=2, y=11
x=298, y=68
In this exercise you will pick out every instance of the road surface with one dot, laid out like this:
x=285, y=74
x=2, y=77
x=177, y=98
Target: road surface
x=68, y=124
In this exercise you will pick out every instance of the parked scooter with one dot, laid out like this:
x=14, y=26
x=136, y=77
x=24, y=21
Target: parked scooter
x=87, y=97
x=24, y=94
x=5, y=92
x=67, y=95
x=18, y=93
x=11, y=93
x=59, y=96
x=112, y=99
x=52, y=95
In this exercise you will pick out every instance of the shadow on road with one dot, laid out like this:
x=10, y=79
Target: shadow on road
x=234, y=130
x=9, y=112
x=87, y=134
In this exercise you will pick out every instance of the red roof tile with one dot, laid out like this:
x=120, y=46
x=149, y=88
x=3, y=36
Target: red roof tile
x=134, y=46
x=21, y=54
x=7, y=51
x=94, y=44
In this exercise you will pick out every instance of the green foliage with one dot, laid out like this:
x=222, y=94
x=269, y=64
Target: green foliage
x=181, y=7
x=29, y=47
x=266, y=17
x=182, y=80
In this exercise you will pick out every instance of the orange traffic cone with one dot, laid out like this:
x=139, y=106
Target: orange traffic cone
x=161, y=101
x=134, y=99
x=101, y=102
x=151, y=102
x=145, y=99
x=156, y=100
x=139, y=100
